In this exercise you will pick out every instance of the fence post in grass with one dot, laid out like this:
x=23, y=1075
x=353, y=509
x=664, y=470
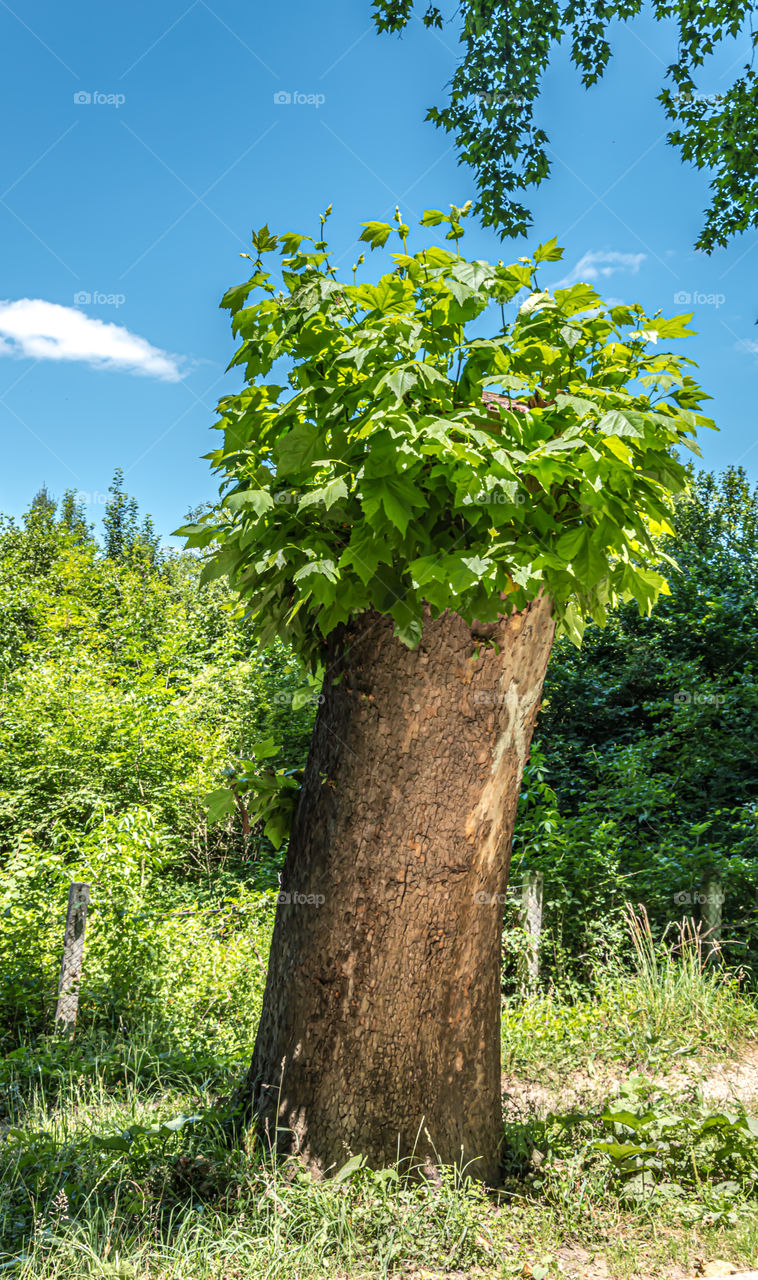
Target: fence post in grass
x=531, y=919
x=711, y=899
x=71, y=964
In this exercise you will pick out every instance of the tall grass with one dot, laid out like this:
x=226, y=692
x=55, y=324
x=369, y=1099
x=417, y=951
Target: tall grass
x=90, y=1185
x=668, y=997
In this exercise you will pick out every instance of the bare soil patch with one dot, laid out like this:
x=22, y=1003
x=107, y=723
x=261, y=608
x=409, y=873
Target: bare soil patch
x=720, y=1083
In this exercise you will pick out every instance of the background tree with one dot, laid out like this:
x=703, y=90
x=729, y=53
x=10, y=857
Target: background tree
x=506, y=49
x=420, y=537
x=126, y=538
x=647, y=761
x=126, y=689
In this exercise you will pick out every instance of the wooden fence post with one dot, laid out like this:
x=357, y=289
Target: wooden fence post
x=531, y=919
x=71, y=964
x=711, y=899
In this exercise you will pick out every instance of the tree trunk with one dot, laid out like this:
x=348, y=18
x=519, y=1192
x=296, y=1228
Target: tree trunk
x=380, y=1032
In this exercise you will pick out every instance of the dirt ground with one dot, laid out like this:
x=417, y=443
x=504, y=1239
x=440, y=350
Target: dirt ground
x=718, y=1083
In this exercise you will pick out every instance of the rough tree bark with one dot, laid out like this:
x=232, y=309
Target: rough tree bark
x=381, y=1017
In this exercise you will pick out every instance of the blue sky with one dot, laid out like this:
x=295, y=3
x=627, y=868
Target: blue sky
x=129, y=207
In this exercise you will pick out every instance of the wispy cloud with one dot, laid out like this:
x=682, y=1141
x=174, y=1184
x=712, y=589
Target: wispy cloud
x=747, y=345
x=597, y=265
x=49, y=331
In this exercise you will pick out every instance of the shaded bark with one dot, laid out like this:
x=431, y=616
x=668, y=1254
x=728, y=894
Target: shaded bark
x=380, y=1032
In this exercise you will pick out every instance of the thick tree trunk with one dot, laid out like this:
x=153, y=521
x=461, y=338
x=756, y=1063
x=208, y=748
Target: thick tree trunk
x=380, y=1032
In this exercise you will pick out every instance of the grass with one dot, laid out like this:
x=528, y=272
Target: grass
x=671, y=1003
x=114, y=1162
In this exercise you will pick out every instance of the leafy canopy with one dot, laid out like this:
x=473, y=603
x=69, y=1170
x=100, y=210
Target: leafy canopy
x=506, y=50
x=384, y=473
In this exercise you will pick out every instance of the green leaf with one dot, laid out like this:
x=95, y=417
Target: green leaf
x=571, y=335
x=400, y=381
x=221, y=563
x=219, y=804
x=327, y=568
x=455, y=232
x=297, y=450
x=620, y=422
x=376, y=233
x=277, y=828
x=461, y=292
x=265, y=749
x=433, y=218
x=579, y=404
x=236, y=297
x=329, y=494
x=115, y=1143
x=577, y=298
x=263, y=240
x=536, y=302
x=621, y=1150
x=570, y=543
x=259, y=499
x=347, y=1170
x=550, y=251
x=397, y=496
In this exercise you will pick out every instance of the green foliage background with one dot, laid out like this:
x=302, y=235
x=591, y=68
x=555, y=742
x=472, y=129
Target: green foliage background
x=645, y=778
x=128, y=689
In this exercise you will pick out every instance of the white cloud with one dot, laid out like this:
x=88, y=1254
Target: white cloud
x=48, y=331
x=595, y=265
x=747, y=345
